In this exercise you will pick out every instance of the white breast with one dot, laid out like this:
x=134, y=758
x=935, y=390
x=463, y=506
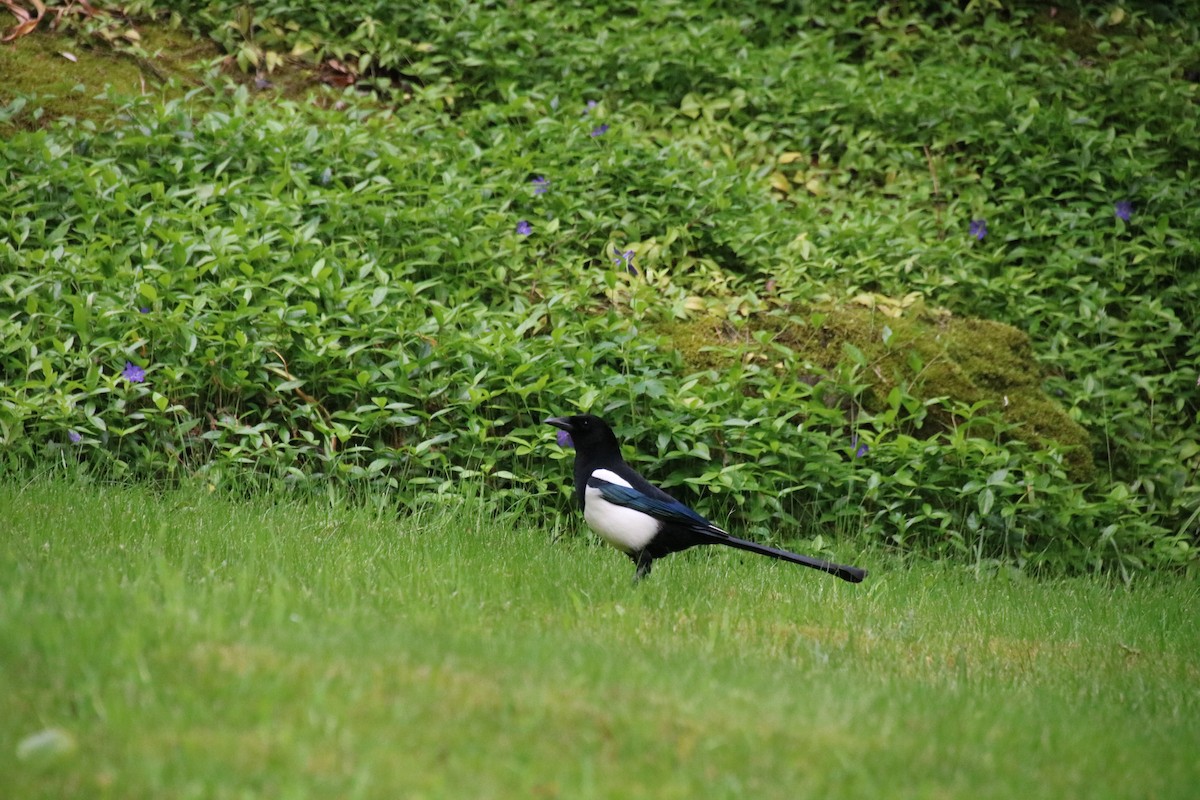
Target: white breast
x=624, y=528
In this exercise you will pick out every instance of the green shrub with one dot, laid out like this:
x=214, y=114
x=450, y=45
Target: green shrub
x=347, y=296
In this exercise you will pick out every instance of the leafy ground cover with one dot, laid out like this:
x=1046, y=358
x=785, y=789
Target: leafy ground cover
x=512, y=211
x=179, y=645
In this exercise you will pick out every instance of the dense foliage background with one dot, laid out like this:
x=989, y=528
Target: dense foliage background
x=505, y=215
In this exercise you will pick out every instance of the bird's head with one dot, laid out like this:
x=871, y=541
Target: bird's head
x=588, y=432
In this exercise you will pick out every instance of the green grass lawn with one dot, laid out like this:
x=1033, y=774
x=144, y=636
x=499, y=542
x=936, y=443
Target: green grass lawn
x=193, y=647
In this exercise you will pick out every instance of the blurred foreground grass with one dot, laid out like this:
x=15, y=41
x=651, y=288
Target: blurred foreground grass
x=188, y=646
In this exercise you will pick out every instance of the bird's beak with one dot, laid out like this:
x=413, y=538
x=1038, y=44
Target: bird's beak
x=560, y=422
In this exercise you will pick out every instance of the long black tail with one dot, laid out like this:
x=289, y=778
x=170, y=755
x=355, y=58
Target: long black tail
x=843, y=571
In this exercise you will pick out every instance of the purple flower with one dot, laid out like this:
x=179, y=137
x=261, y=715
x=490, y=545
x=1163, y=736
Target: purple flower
x=1123, y=210
x=541, y=184
x=979, y=228
x=524, y=228
x=564, y=439
x=74, y=437
x=626, y=259
x=860, y=449
x=133, y=373
x=144, y=310
x=601, y=130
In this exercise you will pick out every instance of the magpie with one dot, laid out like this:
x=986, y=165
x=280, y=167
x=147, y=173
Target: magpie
x=641, y=520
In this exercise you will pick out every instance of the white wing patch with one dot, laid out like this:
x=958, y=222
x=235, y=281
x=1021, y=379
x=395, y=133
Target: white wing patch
x=611, y=477
x=624, y=528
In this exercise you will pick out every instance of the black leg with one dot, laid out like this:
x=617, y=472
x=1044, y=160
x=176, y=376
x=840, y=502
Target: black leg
x=643, y=561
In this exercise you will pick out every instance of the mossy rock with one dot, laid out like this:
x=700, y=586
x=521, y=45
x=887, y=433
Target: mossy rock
x=929, y=351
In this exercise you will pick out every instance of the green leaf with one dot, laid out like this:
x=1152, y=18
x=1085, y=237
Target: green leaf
x=998, y=477
x=81, y=317
x=441, y=438
x=987, y=499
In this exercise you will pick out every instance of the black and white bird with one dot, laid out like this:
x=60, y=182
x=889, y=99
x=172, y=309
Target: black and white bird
x=641, y=520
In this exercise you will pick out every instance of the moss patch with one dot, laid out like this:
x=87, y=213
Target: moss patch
x=930, y=352
x=35, y=65
x=38, y=66
x=707, y=343
x=166, y=61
